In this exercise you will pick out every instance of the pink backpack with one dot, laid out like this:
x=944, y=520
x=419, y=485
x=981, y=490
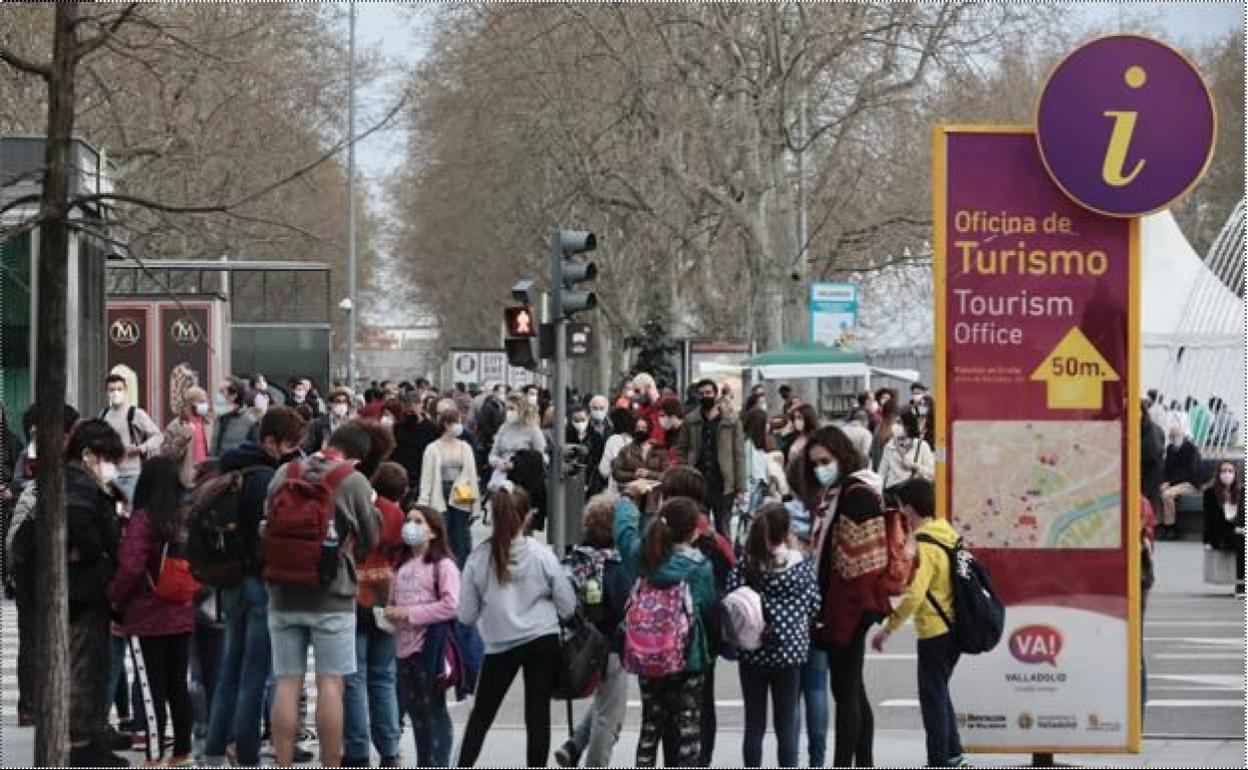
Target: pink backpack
x=657, y=626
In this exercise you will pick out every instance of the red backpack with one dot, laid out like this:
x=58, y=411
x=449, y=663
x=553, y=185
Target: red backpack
x=296, y=526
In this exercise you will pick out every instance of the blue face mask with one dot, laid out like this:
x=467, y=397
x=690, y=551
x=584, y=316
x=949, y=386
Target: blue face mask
x=827, y=474
x=413, y=535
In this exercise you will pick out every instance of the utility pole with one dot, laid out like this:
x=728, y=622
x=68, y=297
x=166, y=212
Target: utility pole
x=566, y=271
x=351, y=288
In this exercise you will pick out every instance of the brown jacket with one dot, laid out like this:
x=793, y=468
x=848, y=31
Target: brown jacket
x=629, y=461
x=177, y=446
x=731, y=447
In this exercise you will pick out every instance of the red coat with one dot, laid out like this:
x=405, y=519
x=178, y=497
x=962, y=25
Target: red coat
x=131, y=591
x=376, y=572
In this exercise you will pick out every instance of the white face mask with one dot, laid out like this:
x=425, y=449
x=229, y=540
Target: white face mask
x=201, y=408
x=339, y=410
x=799, y=425
x=513, y=416
x=580, y=425
x=828, y=474
x=108, y=472
x=665, y=423
x=599, y=415
x=387, y=419
x=116, y=397
x=533, y=399
x=1228, y=477
x=457, y=429
x=261, y=402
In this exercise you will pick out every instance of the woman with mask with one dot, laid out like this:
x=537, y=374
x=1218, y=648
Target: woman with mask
x=520, y=430
x=155, y=534
x=448, y=482
x=641, y=458
x=907, y=454
x=92, y=535
x=925, y=408
x=425, y=594
x=1224, y=518
x=843, y=488
x=804, y=421
x=188, y=438
x=235, y=423
x=890, y=410
x=620, y=422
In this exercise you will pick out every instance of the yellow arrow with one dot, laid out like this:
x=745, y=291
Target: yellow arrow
x=1075, y=372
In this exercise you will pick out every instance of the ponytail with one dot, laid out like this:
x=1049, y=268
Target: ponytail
x=677, y=520
x=509, y=509
x=769, y=530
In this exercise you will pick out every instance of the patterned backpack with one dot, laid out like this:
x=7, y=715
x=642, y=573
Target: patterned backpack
x=657, y=626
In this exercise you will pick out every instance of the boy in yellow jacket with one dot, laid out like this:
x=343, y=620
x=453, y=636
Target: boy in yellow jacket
x=938, y=649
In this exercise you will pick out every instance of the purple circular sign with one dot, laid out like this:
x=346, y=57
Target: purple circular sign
x=1125, y=125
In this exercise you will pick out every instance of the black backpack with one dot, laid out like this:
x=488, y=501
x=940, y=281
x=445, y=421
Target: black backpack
x=135, y=438
x=217, y=548
x=979, y=615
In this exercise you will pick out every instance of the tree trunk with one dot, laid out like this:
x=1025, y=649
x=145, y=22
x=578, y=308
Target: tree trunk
x=51, y=602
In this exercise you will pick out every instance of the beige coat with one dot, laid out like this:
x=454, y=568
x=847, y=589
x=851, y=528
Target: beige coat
x=431, y=475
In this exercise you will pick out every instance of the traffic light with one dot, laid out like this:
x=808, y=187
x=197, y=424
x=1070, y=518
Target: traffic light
x=522, y=341
x=571, y=270
x=520, y=322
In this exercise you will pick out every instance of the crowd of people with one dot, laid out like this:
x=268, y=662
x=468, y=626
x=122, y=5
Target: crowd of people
x=343, y=523
x=1171, y=442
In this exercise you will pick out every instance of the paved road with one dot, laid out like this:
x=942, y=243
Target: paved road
x=1194, y=640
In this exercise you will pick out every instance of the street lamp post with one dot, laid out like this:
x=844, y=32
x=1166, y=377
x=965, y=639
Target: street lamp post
x=351, y=289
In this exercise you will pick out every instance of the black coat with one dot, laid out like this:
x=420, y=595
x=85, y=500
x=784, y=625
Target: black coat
x=251, y=499
x=1219, y=532
x=1183, y=464
x=1152, y=461
x=93, y=535
x=411, y=436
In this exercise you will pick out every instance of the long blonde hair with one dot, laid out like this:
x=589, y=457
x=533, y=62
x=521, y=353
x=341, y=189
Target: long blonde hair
x=528, y=412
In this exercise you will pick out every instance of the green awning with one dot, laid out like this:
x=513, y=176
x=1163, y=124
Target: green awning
x=806, y=361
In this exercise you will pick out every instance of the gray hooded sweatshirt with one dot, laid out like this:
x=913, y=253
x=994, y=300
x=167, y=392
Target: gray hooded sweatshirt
x=537, y=594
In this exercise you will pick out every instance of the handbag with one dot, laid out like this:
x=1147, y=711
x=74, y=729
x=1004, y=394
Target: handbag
x=1219, y=567
x=174, y=582
x=463, y=493
x=858, y=549
x=584, y=652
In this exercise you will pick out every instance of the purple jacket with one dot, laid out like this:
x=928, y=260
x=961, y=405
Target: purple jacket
x=131, y=591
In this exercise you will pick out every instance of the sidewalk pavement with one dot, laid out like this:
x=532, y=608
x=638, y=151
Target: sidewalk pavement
x=893, y=748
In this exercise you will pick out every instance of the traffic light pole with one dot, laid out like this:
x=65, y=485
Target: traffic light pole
x=556, y=500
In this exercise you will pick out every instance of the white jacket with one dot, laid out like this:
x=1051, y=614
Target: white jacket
x=431, y=476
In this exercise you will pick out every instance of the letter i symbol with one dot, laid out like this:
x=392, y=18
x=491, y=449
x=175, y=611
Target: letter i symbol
x=1120, y=139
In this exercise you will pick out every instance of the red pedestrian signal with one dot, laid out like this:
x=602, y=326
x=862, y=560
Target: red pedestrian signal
x=520, y=322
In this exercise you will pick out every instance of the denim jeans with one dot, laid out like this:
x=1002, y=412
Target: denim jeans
x=369, y=704
x=459, y=534
x=815, y=693
x=245, y=665
x=784, y=686
x=425, y=706
x=937, y=657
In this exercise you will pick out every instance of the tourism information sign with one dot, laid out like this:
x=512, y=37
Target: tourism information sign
x=833, y=312
x=1034, y=324
x=1038, y=343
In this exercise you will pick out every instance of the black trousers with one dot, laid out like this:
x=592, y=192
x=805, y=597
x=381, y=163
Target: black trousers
x=89, y=653
x=937, y=657
x=166, y=659
x=25, y=654
x=855, y=725
x=540, y=660
x=669, y=716
x=709, y=723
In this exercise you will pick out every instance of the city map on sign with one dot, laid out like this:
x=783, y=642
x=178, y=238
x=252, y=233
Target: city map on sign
x=1037, y=484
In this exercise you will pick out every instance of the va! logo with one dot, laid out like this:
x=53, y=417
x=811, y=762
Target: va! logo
x=1125, y=125
x=1036, y=644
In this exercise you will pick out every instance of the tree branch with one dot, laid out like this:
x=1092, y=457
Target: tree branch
x=25, y=65
x=92, y=44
